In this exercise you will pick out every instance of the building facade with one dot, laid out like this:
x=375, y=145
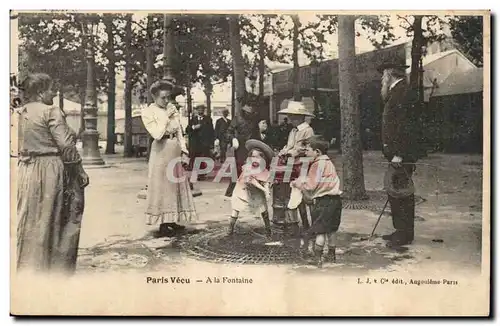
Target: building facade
x=320, y=83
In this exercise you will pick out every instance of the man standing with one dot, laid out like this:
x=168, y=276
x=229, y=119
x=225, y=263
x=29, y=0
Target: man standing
x=242, y=128
x=201, y=136
x=221, y=126
x=285, y=129
x=397, y=148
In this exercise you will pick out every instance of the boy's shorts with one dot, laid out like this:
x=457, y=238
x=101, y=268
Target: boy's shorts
x=326, y=215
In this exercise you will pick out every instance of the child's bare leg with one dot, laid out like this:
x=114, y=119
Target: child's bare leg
x=320, y=241
x=232, y=222
x=332, y=239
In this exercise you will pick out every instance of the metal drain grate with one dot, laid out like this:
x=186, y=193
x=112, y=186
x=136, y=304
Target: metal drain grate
x=246, y=247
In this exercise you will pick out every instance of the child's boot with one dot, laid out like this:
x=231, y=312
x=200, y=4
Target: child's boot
x=332, y=247
x=317, y=259
x=267, y=224
x=331, y=255
x=318, y=255
x=303, y=249
x=232, y=223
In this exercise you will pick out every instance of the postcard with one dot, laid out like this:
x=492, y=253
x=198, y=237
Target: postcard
x=250, y=163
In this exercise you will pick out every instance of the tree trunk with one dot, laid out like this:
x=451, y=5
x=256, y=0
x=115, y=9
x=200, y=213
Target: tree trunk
x=207, y=82
x=316, y=93
x=168, y=46
x=110, y=143
x=352, y=156
x=189, y=100
x=416, y=52
x=128, y=89
x=262, y=56
x=417, y=96
x=238, y=63
x=149, y=69
x=295, y=56
x=233, y=93
x=82, y=112
x=61, y=97
x=149, y=58
x=208, y=94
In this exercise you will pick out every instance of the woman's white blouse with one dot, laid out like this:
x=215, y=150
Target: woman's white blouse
x=160, y=122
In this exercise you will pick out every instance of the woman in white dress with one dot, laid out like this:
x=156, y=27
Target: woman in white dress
x=170, y=202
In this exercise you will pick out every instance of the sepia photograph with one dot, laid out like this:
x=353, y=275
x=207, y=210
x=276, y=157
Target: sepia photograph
x=251, y=163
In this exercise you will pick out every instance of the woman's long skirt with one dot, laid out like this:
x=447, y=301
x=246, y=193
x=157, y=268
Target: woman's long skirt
x=169, y=198
x=49, y=209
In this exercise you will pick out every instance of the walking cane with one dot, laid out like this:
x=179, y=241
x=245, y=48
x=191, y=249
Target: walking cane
x=378, y=220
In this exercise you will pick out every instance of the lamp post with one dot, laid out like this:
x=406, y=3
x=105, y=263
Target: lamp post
x=91, y=153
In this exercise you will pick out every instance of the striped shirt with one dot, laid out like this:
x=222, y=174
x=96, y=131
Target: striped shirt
x=322, y=179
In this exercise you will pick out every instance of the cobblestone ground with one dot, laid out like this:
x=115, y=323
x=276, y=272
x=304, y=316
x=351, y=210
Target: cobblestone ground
x=448, y=227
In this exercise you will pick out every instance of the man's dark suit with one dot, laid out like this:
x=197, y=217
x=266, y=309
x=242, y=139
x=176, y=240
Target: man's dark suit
x=201, y=140
x=221, y=127
x=397, y=137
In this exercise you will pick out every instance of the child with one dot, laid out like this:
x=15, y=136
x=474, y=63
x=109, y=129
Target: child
x=252, y=190
x=299, y=116
x=322, y=186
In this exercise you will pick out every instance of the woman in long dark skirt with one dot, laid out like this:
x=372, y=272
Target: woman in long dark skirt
x=51, y=182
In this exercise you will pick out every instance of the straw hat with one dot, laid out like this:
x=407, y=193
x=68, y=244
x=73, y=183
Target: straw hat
x=257, y=144
x=297, y=108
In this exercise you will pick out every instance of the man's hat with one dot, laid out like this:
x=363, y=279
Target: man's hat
x=385, y=66
x=257, y=144
x=297, y=108
x=166, y=84
x=398, y=183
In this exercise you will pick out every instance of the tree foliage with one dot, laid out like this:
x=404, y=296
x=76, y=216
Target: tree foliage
x=380, y=31
x=201, y=45
x=257, y=35
x=53, y=43
x=467, y=31
x=432, y=28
